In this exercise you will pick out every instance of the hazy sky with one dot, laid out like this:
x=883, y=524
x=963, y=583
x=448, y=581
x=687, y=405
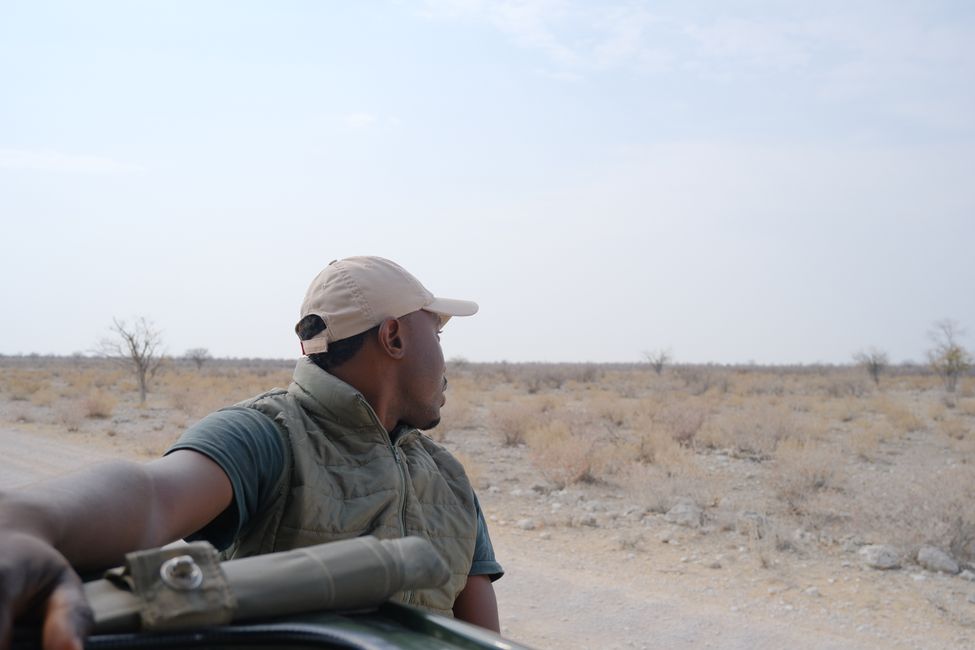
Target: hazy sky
x=733, y=180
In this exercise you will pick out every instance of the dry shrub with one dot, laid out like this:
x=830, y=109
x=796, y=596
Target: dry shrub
x=696, y=380
x=197, y=394
x=609, y=410
x=801, y=470
x=901, y=417
x=966, y=406
x=653, y=445
x=99, y=404
x=658, y=488
x=70, y=415
x=20, y=414
x=22, y=387
x=43, y=397
x=769, y=540
x=936, y=509
x=956, y=428
x=547, y=403
x=105, y=377
x=682, y=421
x=754, y=433
x=564, y=456
x=181, y=400
x=541, y=377
x=937, y=411
x=513, y=422
x=844, y=409
x=840, y=388
x=754, y=384
x=865, y=438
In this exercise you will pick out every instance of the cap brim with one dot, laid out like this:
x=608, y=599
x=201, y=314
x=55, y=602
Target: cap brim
x=451, y=307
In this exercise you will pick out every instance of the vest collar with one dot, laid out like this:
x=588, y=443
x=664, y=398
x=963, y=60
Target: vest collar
x=330, y=398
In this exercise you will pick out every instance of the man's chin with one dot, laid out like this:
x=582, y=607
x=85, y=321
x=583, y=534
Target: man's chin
x=422, y=426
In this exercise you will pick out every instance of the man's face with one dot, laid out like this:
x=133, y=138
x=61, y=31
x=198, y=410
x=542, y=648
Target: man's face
x=424, y=380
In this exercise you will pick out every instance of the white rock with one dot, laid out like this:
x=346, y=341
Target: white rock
x=934, y=559
x=684, y=514
x=526, y=524
x=812, y=591
x=967, y=575
x=880, y=556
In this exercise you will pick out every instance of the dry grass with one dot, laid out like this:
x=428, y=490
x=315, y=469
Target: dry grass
x=70, y=415
x=899, y=415
x=817, y=448
x=804, y=469
x=100, y=404
x=513, y=421
x=564, y=456
x=21, y=385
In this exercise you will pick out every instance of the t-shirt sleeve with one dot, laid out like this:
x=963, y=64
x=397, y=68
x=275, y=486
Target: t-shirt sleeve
x=484, y=562
x=246, y=445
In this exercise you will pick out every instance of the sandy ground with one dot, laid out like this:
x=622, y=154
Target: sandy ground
x=587, y=587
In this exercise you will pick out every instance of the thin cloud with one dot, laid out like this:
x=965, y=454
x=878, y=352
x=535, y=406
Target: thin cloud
x=845, y=54
x=360, y=120
x=61, y=162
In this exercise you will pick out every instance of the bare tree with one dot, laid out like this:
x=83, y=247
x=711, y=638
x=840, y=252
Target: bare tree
x=948, y=358
x=138, y=346
x=199, y=356
x=874, y=361
x=657, y=359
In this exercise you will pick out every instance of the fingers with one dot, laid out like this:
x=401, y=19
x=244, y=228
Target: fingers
x=37, y=583
x=6, y=625
x=67, y=617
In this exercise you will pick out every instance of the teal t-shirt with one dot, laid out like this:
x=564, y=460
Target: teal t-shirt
x=246, y=444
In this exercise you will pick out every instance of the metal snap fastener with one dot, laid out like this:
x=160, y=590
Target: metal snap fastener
x=181, y=573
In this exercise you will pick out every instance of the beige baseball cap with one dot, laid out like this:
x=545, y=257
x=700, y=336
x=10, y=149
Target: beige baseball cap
x=357, y=293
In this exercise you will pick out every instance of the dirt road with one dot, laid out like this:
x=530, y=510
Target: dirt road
x=30, y=453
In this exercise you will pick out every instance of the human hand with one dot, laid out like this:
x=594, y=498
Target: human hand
x=38, y=582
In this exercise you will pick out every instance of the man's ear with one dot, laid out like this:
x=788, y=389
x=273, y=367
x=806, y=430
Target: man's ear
x=391, y=338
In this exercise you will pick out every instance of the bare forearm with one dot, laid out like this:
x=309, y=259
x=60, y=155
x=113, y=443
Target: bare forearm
x=93, y=518
x=477, y=604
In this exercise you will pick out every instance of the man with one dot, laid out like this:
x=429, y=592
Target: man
x=336, y=455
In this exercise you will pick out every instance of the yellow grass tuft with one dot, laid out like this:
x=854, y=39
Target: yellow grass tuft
x=900, y=416
x=99, y=404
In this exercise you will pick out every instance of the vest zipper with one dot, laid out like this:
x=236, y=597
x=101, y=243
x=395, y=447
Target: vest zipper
x=397, y=458
x=402, y=495
x=408, y=596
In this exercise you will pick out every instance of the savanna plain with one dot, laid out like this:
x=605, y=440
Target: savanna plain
x=701, y=506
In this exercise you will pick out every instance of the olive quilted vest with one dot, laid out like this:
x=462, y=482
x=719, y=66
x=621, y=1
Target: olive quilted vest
x=346, y=477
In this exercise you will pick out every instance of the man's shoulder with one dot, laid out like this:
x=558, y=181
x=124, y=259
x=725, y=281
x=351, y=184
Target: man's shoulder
x=268, y=397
